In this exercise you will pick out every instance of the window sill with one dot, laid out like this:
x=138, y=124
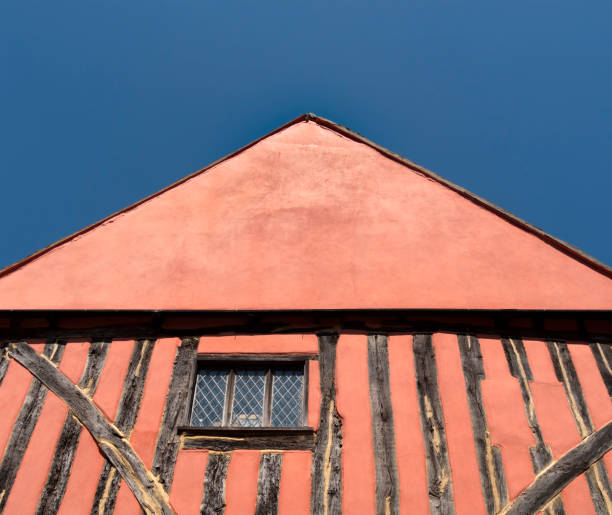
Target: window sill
x=257, y=438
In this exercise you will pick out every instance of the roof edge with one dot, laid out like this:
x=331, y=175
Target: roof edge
x=557, y=243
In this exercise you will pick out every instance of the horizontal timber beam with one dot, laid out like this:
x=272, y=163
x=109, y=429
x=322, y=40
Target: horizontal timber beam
x=225, y=439
x=592, y=326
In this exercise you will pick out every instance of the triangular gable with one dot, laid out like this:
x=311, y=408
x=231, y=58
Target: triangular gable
x=311, y=216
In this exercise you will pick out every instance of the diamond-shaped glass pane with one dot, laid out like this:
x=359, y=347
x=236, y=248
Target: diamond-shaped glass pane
x=287, y=395
x=209, y=397
x=247, y=410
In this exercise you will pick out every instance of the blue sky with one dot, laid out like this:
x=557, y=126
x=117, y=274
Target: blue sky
x=104, y=103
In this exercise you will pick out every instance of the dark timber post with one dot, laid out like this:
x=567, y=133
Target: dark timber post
x=175, y=411
x=326, y=495
x=213, y=499
x=383, y=431
x=439, y=479
x=490, y=466
x=268, y=483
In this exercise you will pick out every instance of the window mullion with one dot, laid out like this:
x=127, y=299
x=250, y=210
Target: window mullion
x=267, y=399
x=229, y=398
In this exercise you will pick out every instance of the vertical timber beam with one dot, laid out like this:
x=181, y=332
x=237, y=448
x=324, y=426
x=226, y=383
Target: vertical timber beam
x=129, y=405
x=175, y=411
x=4, y=362
x=25, y=424
x=383, y=431
x=603, y=357
x=596, y=475
x=326, y=494
x=439, y=479
x=213, y=499
x=489, y=457
x=59, y=472
x=268, y=483
x=541, y=454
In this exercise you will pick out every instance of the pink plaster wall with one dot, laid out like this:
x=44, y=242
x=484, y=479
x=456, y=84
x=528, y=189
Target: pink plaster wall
x=306, y=218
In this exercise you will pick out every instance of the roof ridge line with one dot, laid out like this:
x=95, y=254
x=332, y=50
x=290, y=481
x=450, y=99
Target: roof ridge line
x=557, y=243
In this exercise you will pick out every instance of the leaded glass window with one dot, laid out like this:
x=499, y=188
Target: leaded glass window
x=244, y=395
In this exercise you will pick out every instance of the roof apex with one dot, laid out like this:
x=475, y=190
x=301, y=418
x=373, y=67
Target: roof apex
x=557, y=243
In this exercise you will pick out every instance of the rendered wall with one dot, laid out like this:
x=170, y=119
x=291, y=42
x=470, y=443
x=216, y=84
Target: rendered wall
x=465, y=416
x=306, y=219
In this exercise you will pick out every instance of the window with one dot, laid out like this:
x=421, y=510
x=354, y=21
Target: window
x=249, y=394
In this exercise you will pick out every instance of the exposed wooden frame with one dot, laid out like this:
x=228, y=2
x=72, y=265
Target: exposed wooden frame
x=26, y=422
x=233, y=438
x=112, y=443
x=175, y=411
x=580, y=326
x=326, y=492
x=551, y=480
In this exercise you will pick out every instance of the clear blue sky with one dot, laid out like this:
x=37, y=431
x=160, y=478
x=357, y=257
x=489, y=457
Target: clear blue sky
x=103, y=103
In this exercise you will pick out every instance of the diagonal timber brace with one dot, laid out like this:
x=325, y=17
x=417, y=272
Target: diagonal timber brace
x=112, y=443
x=552, y=479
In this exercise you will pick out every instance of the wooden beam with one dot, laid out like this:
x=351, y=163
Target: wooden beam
x=289, y=442
x=326, y=493
x=127, y=411
x=541, y=453
x=61, y=465
x=440, y=485
x=493, y=480
x=26, y=421
x=383, y=431
x=579, y=326
x=111, y=441
x=559, y=474
x=597, y=475
x=213, y=499
x=176, y=411
x=603, y=357
x=268, y=483
x=4, y=363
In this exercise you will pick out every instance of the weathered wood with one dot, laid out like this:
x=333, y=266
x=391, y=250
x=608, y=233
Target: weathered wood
x=134, y=324
x=492, y=476
x=299, y=442
x=326, y=492
x=268, y=483
x=439, y=478
x=112, y=443
x=383, y=430
x=26, y=421
x=597, y=475
x=176, y=411
x=541, y=454
x=213, y=499
x=248, y=358
x=4, y=362
x=127, y=411
x=59, y=472
x=603, y=357
x=559, y=474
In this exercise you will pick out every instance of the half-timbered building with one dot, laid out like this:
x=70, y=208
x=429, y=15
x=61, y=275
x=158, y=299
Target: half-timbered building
x=312, y=324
